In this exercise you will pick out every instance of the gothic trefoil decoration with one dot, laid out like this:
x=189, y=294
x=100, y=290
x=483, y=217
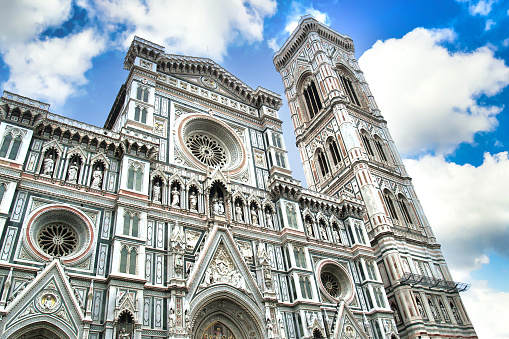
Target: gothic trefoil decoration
x=180, y=218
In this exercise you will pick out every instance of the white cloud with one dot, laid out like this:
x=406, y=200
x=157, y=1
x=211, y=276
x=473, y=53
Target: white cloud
x=489, y=23
x=273, y=44
x=428, y=94
x=467, y=207
x=484, y=306
x=483, y=7
x=208, y=30
x=21, y=20
x=54, y=68
x=299, y=10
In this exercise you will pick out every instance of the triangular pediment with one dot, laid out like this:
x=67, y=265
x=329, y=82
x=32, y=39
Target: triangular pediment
x=221, y=262
x=49, y=297
x=346, y=326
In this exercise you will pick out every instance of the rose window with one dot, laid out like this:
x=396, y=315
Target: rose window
x=331, y=284
x=206, y=141
x=59, y=231
x=206, y=150
x=58, y=240
x=335, y=282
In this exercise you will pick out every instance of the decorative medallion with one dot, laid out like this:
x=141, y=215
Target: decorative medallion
x=208, y=82
x=48, y=301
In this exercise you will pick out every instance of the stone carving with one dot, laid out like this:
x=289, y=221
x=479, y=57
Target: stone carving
x=223, y=270
x=309, y=227
x=72, y=176
x=48, y=165
x=268, y=220
x=254, y=215
x=123, y=334
x=246, y=251
x=323, y=232
x=191, y=239
x=156, y=196
x=175, y=197
x=97, y=178
x=218, y=205
x=238, y=213
x=193, y=201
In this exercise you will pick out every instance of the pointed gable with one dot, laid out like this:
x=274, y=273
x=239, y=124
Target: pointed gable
x=221, y=262
x=49, y=297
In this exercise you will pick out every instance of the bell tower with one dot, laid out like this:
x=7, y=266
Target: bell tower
x=347, y=150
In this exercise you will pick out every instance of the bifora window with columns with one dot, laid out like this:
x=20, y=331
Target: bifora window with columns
x=311, y=97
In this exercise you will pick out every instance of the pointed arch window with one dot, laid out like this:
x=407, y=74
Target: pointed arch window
x=140, y=114
x=142, y=93
x=388, y=199
x=313, y=103
x=349, y=89
x=322, y=162
x=405, y=210
x=134, y=177
x=334, y=151
x=128, y=260
x=380, y=149
x=367, y=143
x=131, y=224
x=10, y=146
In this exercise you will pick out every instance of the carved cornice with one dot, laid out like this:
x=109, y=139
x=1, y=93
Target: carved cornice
x=179, y=64
x=308, y=24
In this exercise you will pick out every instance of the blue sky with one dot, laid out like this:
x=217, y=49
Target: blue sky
x=438, y=70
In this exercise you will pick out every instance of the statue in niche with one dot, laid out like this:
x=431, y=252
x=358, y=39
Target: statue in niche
x=268, y=219
x=193, y=201
x=73, y=173
x=97, y=176
x=238, y=280
x=218, y=205
x=323, y=232
x=238, y=213
x=123, y=334
x=156, y=197
x=254, y=215
x=48, y=165
x=309, y=227
x=336, y=232
x=175, y=197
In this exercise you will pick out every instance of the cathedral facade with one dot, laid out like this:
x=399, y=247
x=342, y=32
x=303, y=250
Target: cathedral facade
x=180, y=217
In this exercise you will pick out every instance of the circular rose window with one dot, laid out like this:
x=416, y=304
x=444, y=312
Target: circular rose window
x=331, y=284
x=58, y=240
x=206, y=141
x=60, y=232
x=209, y=151
x=335, y=282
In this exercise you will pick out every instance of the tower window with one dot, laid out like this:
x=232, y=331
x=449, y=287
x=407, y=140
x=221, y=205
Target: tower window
x=379, y=148
x=367, y=144
x=322, y=162
x=350, y=91
x=312, y=99
x=334, y=151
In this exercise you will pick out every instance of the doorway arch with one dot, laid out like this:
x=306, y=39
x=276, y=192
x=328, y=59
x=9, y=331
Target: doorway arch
x=40, y=330
x=230, y=315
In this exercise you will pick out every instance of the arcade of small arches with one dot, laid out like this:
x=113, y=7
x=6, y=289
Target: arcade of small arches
x=215, y=201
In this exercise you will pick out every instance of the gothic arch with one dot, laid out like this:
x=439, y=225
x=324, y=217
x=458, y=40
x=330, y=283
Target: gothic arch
x=225, y=304
x=39, y=330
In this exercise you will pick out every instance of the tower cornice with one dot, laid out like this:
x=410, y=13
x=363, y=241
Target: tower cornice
x=308, y=24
